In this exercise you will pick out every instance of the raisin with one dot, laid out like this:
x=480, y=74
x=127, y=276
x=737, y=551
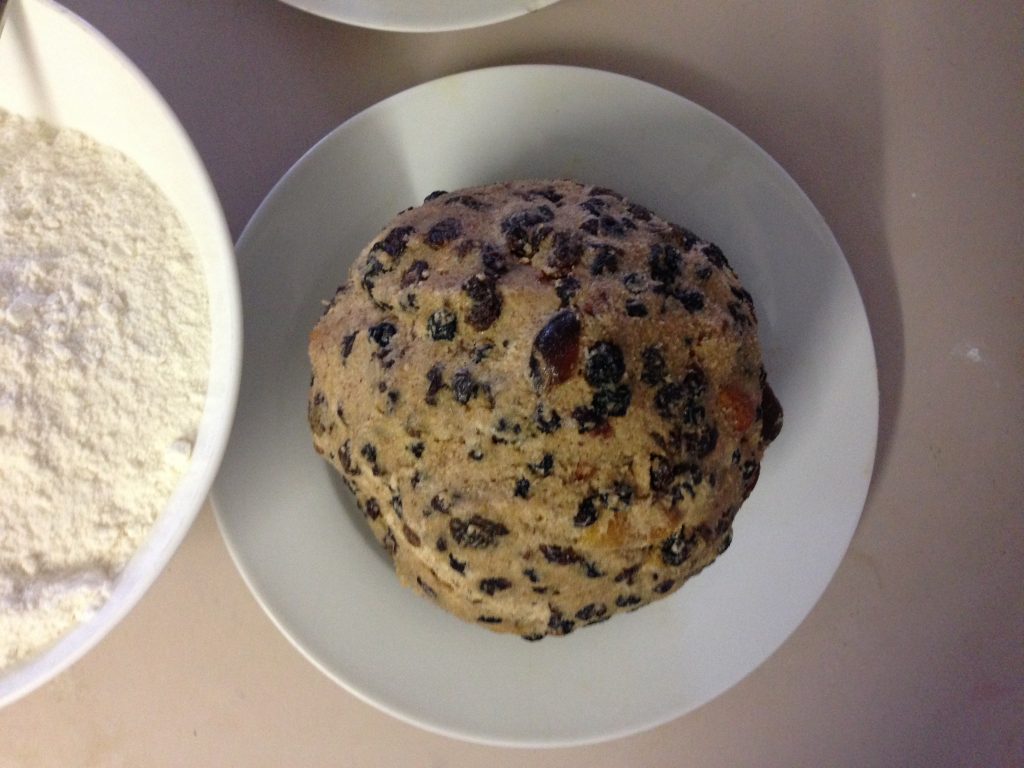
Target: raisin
x=345, y=459
x=677, y=548
x=532, y=638
x=417, y=271
x=715, y=256
x=605, y=192
x=394, y=242
x=443, y=232
x=605, y=260
x=560, y=555
x=544, y=467
x=654, y=367
x=692, y=301
x=681, y=399
x=442, y=544
x=396, y=505
x=608, y=226
x=566, y=252
x=504, y=425
x=624, y=601
x=587, y=513
x=476, y=533
x=476, y=454
x=407, y=301
x=527, y=218
x=522, y=488
x=738, y=315
x=703, y=272
x=427, y=589
x=434, y=195
x=372, y=509
x=742, y=294
x=665, y=263
x=435, y=379
x=486, y=302
x=416, y=449
x=558, y=624
x=439, y=504
x=635, y=282
x=592, y=611
x=346, y=344
x=495, y=262
x=489, y=619
x=481, y=352
x=628, y=575
x=612, y=401
x=604, y=365
x=531, y=575
x=684, y=237
x=695, y=381
x=547, y=419
x=664, y=586
x=524, y=243
x=410, y=535
x=389, y=542
x=369, y=452
x=441, y=325
x=315, y=413
x=661, y=474
x=556, y=349
x=636, y=308
x=638, y=211
x=373, y=268
x=382, y=333
x=456, y=564
x=566, y=289
x=474, y=204
x=494, y=585
x=464, y=386
x=588, y=418
x=701, y=442
x=549, y=194
x=724, y=543
x=750, y=470
x=594, y=205
x=517, y=240
x=771, y=414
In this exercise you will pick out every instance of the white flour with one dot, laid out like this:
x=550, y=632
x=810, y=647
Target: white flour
x=104, y=344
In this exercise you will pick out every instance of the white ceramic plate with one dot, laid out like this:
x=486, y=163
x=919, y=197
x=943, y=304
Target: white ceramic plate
x=299, y=540
x=420, y=15
x=55, y=66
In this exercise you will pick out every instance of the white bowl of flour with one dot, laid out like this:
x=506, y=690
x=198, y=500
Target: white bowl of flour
x=120, y=339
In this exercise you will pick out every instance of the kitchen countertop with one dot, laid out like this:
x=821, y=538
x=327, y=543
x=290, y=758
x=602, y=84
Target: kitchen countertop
x=903, y=122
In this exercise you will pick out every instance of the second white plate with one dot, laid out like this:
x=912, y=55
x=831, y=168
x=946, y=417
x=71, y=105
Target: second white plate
x=301, y=544
x=420, y=15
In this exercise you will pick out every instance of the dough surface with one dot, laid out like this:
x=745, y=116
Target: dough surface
x=549, y=402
